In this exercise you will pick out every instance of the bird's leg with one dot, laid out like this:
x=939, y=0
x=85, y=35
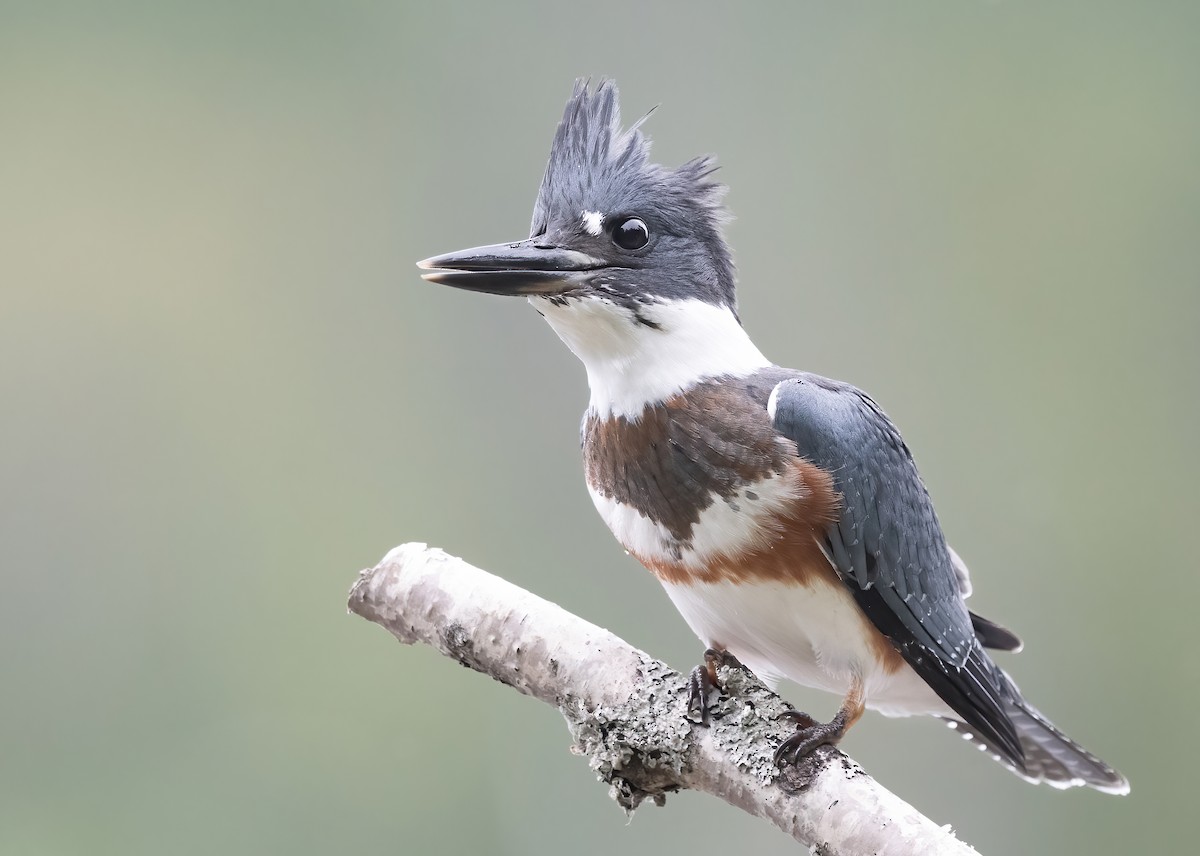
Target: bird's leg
x=702, y=681
x=810, y=734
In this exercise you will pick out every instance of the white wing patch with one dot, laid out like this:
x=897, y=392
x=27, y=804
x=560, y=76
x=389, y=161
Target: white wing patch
x=960, y=569
x=773, y=402
x=593, y=223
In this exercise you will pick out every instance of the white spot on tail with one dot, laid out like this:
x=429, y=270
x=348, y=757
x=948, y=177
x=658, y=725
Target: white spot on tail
x=593, y=222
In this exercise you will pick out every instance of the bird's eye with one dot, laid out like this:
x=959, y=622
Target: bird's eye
x=631, y=234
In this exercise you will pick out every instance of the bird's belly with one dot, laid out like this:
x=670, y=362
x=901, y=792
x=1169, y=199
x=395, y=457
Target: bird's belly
x=749, y=576
x=813, y=634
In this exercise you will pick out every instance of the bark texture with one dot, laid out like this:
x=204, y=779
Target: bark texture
x=626, y=711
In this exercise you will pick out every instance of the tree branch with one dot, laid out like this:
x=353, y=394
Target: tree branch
x=627, y=711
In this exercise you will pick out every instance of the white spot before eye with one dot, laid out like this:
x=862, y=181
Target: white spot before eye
x=592, y=222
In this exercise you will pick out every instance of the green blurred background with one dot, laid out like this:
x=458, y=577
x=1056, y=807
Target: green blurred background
x=225, y=390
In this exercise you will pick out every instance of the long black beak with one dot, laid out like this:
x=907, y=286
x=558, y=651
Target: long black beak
x=524, y=267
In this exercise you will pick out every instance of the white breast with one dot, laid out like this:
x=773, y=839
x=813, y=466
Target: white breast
x=813, y=635
x=631, y=363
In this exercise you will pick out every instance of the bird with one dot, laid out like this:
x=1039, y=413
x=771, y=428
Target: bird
x=782, y=511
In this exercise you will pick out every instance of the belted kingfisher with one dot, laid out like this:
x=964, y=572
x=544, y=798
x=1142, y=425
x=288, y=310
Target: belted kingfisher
x=781, y=510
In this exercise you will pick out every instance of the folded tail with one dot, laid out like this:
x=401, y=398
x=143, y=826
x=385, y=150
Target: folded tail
x=1050, y=756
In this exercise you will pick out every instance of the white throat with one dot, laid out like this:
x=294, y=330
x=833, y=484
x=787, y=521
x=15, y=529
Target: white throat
x=631, y=363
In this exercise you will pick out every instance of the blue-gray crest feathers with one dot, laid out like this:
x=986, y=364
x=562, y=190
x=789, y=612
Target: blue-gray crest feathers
x=593, y=161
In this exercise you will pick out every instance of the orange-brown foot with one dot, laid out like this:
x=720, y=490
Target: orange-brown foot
x=810, y=734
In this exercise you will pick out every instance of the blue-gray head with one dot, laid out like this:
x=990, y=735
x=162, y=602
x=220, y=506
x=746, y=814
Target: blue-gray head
x=608, y=224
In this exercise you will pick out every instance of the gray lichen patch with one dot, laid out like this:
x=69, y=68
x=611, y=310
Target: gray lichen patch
x=745, y=722
x=638, y=747
x=457, y=643
x=747, y=729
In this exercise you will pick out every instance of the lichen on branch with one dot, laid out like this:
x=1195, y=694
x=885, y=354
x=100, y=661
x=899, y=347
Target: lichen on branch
x=627, y=712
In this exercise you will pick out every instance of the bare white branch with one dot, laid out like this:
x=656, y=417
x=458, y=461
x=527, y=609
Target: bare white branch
x=627, y=711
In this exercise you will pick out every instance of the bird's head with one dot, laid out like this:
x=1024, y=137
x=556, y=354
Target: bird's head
x=608, y=225
x=625, y=260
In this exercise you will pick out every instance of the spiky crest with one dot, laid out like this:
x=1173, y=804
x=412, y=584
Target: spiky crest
x=594, y=161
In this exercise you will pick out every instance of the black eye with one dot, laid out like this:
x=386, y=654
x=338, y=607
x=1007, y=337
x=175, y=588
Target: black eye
x=631, y=234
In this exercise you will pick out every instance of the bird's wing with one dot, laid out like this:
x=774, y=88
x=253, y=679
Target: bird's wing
x=989, y=633
x=888, y=548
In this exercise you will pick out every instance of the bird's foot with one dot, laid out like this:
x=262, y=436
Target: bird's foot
x=701, y=683
x=809, y=735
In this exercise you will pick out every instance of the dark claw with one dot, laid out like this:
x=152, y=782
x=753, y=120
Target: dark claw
x=809, y=735
x=802, y=720
x=701, y=682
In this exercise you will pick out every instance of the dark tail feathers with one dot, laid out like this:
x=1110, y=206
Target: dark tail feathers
x=1051, y=756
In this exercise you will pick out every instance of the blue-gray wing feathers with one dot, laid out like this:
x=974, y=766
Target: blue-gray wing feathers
x=889, y=549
